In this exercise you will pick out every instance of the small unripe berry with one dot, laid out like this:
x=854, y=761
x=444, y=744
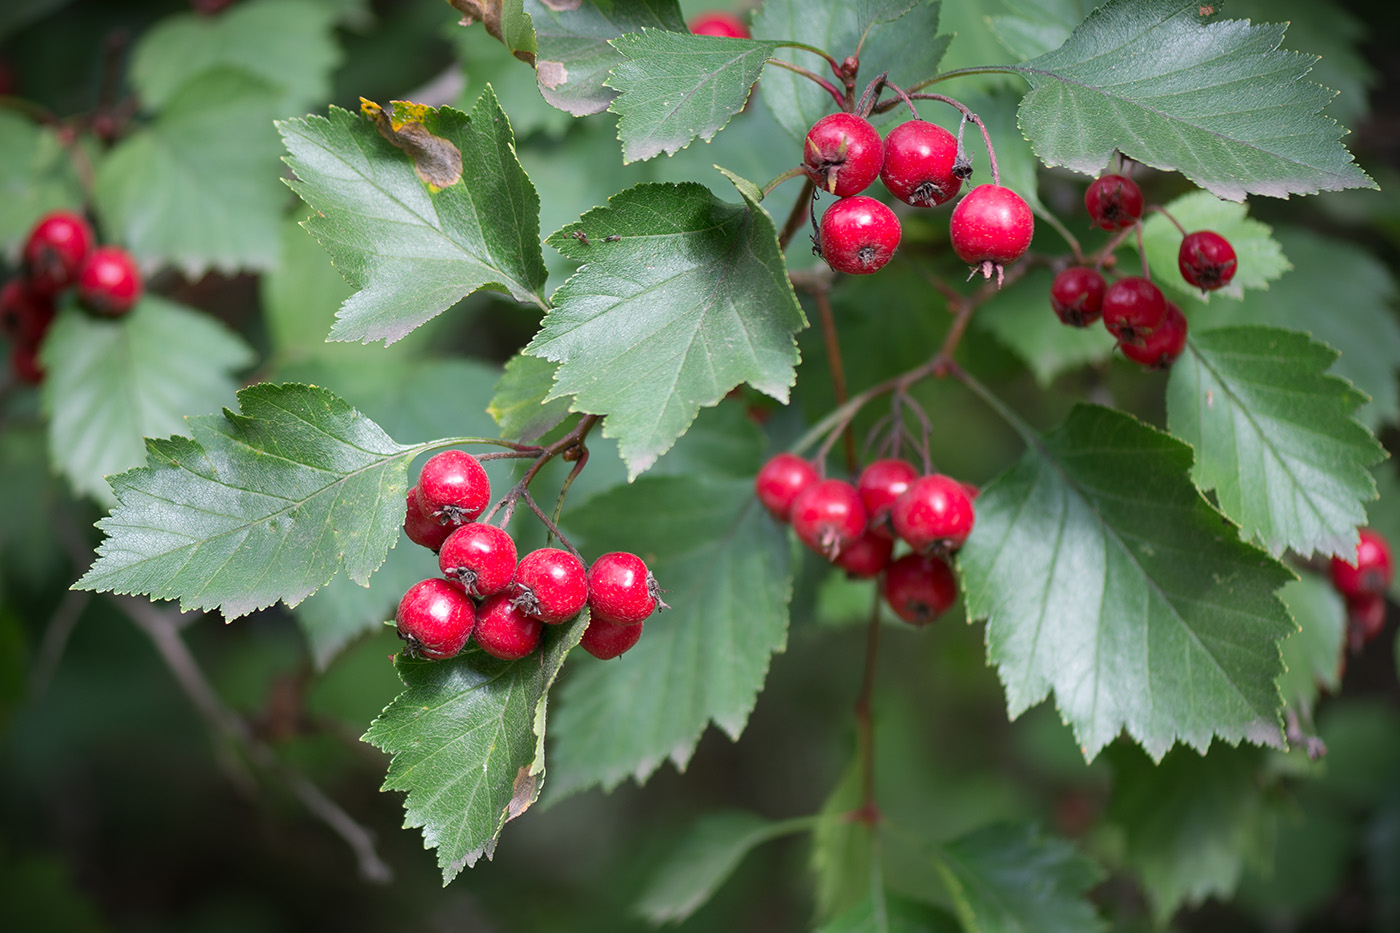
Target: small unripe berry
x=606, y=640
x=991, y=227
x=1206, y=260
x=780, y=480
x=55, y=251
x=621, y=589
x=918, y=167
x=503, y=630
x=480, y=557
x=1159, y=349
x=1113, y=202
x=435, y=619
x=109, y=283
x=828, y=517
x=843, y=154
x=453, y=487
x=1370, y=572
x=919, y=588
x=550, y=585
x=1133, y=308
x=933, y=513
x=858, y=235
x=1077, y=296
x=719, y=23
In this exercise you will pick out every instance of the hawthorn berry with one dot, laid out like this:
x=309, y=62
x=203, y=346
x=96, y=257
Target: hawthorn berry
x=879, y=484
x=918, y=166
x=1365, y=619
x=780, y=480
x=621, y=589
x=843, y=154
x=453, y=487
x=867, y=555
x=480, y=557
x=1113, y=202
x=934, y=512
x=24, y=363
x=1133, y=308
x=435, y=619
x=1206, y=260
x=606, y=640
x=719, y=23
x=990, y=227
x=828, y=517
x=550, y=585
x=1370, y=572
x=1159, y=349
x=858, y=235
x=422, y=528
x=919, y=588
x=1077, y=296
x=55, y=251
x=24, y=316
x=109, y=283
x=503, y=630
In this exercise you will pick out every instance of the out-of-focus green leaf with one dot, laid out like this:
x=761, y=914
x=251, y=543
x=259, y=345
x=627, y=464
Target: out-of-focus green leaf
x=519, y=405
x=37, y=175
x=1312, y=655
x=1021, y=318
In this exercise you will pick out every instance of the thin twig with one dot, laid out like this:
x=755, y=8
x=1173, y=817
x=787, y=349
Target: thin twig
x=56, y=634
x=838, y=370
x=812, y=75
x=796, y=216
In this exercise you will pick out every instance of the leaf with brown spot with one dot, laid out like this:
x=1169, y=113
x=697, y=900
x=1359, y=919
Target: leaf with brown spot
x=437, y=161
x=506, y=20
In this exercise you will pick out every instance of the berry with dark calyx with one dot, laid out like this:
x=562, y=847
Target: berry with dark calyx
x=621, y=589
x=990, y=227
x=24, y=363
x=867, y=556
x=1077, y=296
x=1133, y=308
x=606, y=640
x=480, y=557
x=780, y=480
x=858, y=235
x=453, y=487
x=828, y=517
x=1159, y=349
x=933, y=513
x=24, y=316
x=421, y=528
x=503, y=630
x=1370, y=572
x=550, y=585
x=879, y=484
x=843, y=154
x=435, y=619
x=1206, y=260
x=55, y=251
x=719, y=23
x=1113, y=202
x=919, y=588
x=918, y=167
x=109, y=283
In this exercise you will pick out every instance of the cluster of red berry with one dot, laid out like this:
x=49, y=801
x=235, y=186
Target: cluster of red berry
x=719, y=23
x=1363, y=583
x=486, y=594
x=1150, y=329
x=58, y=254
x=857, y=527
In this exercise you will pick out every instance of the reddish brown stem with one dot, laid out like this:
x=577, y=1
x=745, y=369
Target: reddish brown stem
x=571, y=441
x=812, y=75
x=798, y=214
x=838, y=369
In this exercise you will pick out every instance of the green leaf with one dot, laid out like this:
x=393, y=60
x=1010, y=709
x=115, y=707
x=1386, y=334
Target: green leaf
x=110, y=384
x=1227, y=108
x=1312, y=654
x=256, y=506
x=1261, y=259
x=574, y=53
x=843, y=858
x=467, y=738
x=690, y=301
x=1106, y=577
x=1275, y=437
x=890, y=913
x=1010, y=878
x=198, y=187
x=673, y=87
x=519, y=405
x=36, y=176
x=412, y=252
x=1036, y=26
x=724, y=567
x=1022, y=320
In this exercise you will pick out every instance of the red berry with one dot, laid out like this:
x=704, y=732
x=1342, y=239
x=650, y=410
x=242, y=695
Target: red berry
x=779, y=482
x=843, y=154
x=879, y=484
x=1113, y=202
x=621, y=589
x=918, y=167
x=480, y=557
x=109, y=282
x=1159, y=349
x=503, y=630
x=1369, y=573
x=934, y=512
x=867, y=556
x=719, y=23
x=55, y=251
x=24, y=363
x=435, y=619
x=1365, y=619
x=422, y=528
x=453, y=487
x=1133, y=308
x=990, y=227
x=919, y=588
x=828, y=517
x=606, y=640
x=1077, y=296
x=1206, y=260
x=858, y=235
x=550, y=585
x=24, y=316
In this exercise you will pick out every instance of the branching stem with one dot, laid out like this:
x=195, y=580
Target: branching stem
x=812, y=75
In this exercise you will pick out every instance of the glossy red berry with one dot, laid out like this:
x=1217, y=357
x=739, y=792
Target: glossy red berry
x=551, y=585
x=480, y=557
x=1206, y=260
x=1159, y=349
x=24, y=316
x=879, y=484
x=422, y=528
x=55, y=252
x=503, y=630
x=828, y=517
x=1370, y=572
x=24, y=363
x=453, y=487
x=1077, y=296
x=991, y=227
x=858, y=235
x=1113, y=202
x=435, y=619
x=934, y=512
x=867, y=555
x=918, y=167
x=779, y=482
x=919, y=588
x=606, y=640
x=719, y=23
x=621, y=589
x=843, y=154
x=109, y=282
x=1133, y=308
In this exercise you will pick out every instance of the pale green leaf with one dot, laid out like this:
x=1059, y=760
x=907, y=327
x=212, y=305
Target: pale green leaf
x=37, y=175
x=1313, y=654
x=519, y=405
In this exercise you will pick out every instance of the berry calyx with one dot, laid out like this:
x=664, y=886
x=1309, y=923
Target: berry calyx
x=621, y=589
x=1113, y=202
x=828, y=517
x=453, y=487
x=858, y=235
x=991, y=227
x=918, y=166
x=919, y=588
x=780, y=480
x=109, y=283
x=1370, y=572
x=550, y=585
x=54, y=253
x=843, y=154
x=1077, y=296
x=480, y=557
x=867, y=556
x=435, y=619
x=1206, y=260
x=1133, y=308
x=1159, y=349
x=503, y=630
x=606, y=640
x=879, y=485
x=24, y=316
x=421, y=528
x=719, y=23
x=933, y=513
